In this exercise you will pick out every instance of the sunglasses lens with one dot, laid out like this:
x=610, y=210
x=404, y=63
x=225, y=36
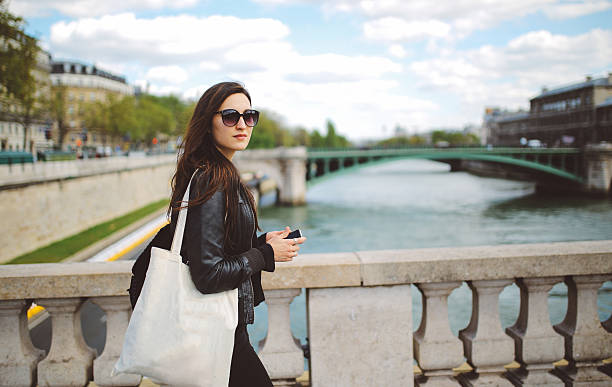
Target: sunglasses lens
x=251, y=117
x=230, y=117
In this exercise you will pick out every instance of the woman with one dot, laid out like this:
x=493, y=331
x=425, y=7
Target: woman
x=220, y=244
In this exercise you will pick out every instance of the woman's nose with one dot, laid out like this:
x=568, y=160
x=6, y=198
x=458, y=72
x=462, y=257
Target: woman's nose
x=241, y=124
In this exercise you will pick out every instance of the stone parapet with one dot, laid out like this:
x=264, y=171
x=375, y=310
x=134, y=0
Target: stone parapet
x=359, y=318
x=389, y=267
x=25, y=174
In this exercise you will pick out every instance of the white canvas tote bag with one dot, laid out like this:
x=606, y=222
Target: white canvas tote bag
x=177, y=335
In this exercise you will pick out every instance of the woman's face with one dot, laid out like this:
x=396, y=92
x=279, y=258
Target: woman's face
x=230, y=139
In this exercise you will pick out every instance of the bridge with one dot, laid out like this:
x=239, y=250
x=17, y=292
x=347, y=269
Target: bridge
x=564, y=163
x=587, y=169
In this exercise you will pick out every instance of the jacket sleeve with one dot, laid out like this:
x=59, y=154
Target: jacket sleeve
x=211, y=269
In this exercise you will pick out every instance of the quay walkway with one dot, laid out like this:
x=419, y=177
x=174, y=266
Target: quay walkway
x=355, y=301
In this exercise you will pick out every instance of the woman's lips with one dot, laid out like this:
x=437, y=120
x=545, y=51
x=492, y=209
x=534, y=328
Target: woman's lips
x=241, y=136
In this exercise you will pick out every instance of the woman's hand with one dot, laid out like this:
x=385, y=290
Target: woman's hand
x=284, y=249
x=274, y=234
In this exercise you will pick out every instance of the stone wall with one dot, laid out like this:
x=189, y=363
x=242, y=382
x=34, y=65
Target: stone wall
x=52, y=207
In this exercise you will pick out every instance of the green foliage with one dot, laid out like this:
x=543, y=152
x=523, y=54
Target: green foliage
x=270, y=133
x=316, y=140
x=17, y=57
x=332, y=140
x=454, y=138
x=414, y=140
x=19, y=99
x=113, y=117
x=151, y=117
x=57, y=107
x=302, y=137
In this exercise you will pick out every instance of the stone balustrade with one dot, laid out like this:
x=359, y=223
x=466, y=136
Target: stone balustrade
x=359, y=312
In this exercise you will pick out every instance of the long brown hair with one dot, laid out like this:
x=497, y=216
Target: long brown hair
x=198, y=150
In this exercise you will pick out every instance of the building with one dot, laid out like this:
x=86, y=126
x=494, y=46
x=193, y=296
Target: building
x=84, y=84
x=572, y=115
x=490, y=123
x=11, y=129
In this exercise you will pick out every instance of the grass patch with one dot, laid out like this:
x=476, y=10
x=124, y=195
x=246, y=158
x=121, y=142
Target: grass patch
x=60, y=250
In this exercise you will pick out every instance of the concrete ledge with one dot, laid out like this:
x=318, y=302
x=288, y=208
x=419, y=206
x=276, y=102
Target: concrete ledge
x=64, y=280
x=315, y=271
x=366, y=268
x=389, y=267
x=39, y=172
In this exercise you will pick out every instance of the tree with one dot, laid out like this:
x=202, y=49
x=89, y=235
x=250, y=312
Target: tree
x=113, y=117
x=301, y=136
x=20, y=97
x=316, y=140
x=151, y=118
x=332, y=140
x=57, y=107
x=270, y=132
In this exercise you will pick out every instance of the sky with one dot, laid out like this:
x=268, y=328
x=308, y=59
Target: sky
x=367, y=65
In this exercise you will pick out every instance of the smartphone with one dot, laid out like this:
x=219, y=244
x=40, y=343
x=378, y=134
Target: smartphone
x=294, y=234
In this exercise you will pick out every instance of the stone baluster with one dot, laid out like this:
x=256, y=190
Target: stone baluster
x=587, y=343
x=18, y=357
x=486, y=346
x=69, y=361
x=117, y=311
x=436, y=349
x=280, y=353
x=536, y=344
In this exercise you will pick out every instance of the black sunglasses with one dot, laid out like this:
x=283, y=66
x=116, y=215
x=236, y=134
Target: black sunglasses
x=231, y=117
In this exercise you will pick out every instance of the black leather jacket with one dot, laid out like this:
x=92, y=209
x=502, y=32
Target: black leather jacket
x=213, y=267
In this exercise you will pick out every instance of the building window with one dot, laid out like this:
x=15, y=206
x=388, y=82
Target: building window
x=573, y=103
x=81, y=97
x=92, y=96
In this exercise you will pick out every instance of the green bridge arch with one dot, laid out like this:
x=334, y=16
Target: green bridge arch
x=560, y=163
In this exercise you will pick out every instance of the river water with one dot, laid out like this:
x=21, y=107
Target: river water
x=418, y=204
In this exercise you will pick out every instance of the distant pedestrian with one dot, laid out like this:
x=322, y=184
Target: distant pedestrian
x=220, y=242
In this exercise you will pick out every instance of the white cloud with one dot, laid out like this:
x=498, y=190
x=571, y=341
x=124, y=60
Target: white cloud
x=84, y=8
x=355, y=91
x=393, y=29
x=398, y=51
x=168, y=74
x=457, y=19
x=124, y=36
x=89, y=8
x=571, y=9
x=510, y=75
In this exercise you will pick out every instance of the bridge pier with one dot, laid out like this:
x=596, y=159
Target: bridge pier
x=598, y=158
x=286, y=166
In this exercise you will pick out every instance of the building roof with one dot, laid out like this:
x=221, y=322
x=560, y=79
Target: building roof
x=513, y=117
x=575, y=86
x=74, y=67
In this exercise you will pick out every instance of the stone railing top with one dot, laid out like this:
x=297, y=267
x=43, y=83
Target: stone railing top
x=486, y=262
x=367, y=268
x=298, y=152
x=53, y=170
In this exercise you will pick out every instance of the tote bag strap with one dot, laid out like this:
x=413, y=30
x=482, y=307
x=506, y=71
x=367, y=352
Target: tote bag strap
x=177, y=240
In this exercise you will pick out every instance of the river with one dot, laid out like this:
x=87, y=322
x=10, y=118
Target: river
x=418, y=204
